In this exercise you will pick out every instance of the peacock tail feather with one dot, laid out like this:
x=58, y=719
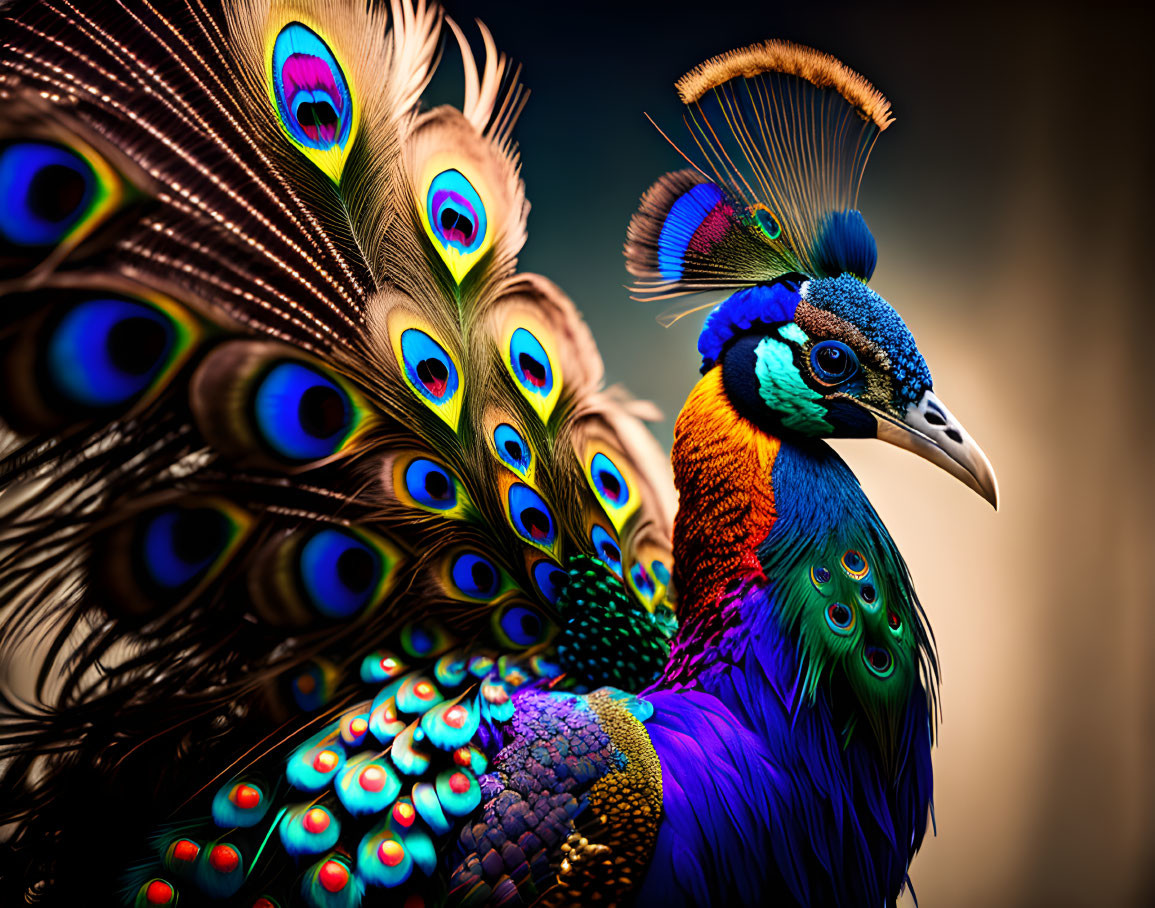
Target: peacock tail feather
x=295, y=453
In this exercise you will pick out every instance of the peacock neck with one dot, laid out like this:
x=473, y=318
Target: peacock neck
x=723, y=468
x=735, y=482
x=736, y=719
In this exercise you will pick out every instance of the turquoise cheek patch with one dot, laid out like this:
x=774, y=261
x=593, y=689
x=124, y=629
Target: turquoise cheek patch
x=782, y=388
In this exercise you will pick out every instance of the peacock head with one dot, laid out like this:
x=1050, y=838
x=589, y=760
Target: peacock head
x=830, y=358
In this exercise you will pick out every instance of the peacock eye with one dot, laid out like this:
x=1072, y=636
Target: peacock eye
x=301, y=414
x=340, y=572
x=475, y=576
x=456, y=212
x=878, y=660
x=550, y=580
x=893, y=621
x=833, y=362
x=606, y=549
x=840, y=618
x=520, y=626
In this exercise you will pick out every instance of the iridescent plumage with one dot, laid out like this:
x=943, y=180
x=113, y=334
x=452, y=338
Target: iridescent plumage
x=343, y=580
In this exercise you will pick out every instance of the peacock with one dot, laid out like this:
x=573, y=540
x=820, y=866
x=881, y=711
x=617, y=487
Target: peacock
x=332, y=574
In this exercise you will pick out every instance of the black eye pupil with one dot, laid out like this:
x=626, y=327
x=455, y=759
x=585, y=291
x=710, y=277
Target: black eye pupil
x=833, y=361
x=436, y=484
x=880, y=659
x=356, y=569
x=482, y=575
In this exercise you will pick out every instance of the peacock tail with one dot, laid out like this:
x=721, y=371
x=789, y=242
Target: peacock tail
x=299, y=466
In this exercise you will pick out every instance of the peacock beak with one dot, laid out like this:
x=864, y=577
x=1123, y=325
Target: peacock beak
x=930, y=431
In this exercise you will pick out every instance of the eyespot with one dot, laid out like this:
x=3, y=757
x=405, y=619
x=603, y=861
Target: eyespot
x=868, y=593
x=833, y=362
x=456, y=213
x=608, y=481
x=180, y=544
x=643, y=582
x=767, y=222
x=239, y=804
x=301, y=414
x=661, y=572
x=105, y=352
x=606, y=549
x=855, y=565
x=878, y=660
x=311, y=92
x=819, y=576
x=893, y=621
x=430, y=485
x=520, y=626
x=475, y=576
x=512, y=448
x=530, y=364
x=841, y=618
x=430, y=370
x=550, y=580
x=46, y=191
x=531, y=516
x=424, y=638
x=340, y=572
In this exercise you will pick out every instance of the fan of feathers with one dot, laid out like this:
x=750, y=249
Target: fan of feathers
x=281, y=416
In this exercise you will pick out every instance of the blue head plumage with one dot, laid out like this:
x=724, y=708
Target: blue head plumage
x=820, y=356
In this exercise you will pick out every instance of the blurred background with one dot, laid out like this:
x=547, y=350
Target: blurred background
x=1011, y=203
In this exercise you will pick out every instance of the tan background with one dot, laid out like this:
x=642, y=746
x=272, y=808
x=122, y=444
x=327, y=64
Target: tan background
x=1012, y=203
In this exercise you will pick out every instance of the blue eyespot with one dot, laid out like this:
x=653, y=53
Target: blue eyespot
x=522, y=626
x=475, y=576
x=841, y=618
x=530, y=364
x=340, y=572
x=819, y=575
x=531, y=516
x=45, y=191
x=423, y=638
x=312, y=95
x=661, y=572
x=301, y=414
x=455, y=211
x=606, y=549
x=179, y=545
x=878, y=660
x=512, y=448
x=105, y=352
x=428, y=366
x=643, y=582
x=855, y=565
x=767, y=223
x=833, y=362
x=430, y=485
x=550, y=580
x=609, y=482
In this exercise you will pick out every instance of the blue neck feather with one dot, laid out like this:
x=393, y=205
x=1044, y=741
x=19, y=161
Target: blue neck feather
x=766, y=796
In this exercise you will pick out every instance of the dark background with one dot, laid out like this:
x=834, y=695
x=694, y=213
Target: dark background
x=1011, y=202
